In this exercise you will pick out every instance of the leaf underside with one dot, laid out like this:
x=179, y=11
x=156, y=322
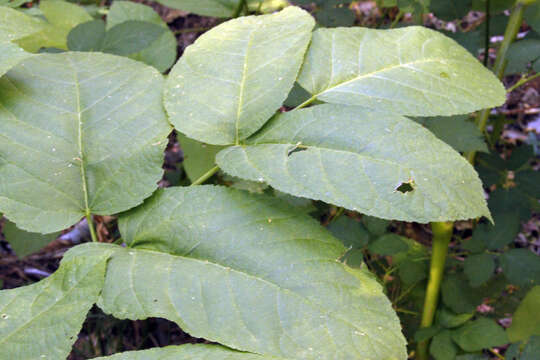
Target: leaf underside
x=248, y=272
x=70, y=124
x=377, y=163
x=33, y=321
x=411, y=71
x=221, y=105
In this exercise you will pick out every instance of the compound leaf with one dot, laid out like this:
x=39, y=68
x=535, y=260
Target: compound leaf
x=411, y=71
x=250, y=272
x=376, y=163
x=188, y=351
x=41, y=321
x=235, y=76
x=92, y=143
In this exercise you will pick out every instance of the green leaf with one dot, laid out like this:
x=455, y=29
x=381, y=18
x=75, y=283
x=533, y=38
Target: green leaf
x=411, y=71
x=359, y=159
x=162, y=52
x=427, y=333
x=479, y=268
x=458, y=295
x=198, y=157
x=532, y=349
x=215, y=8
x=450, y=10
x=188, y=351
x=11, y=55
x=92, y=143
x=250, y=272
x=479, y=334
x=457, y=131
x=522, y=53
x=412, y=270
x=297, y=96
x=389, y=244
x=448, y=319
x=130, y=37
x=88, y=36
x=42, y=320
x=350, y=231
x=23, y=242
x=521, y=267
x=15, y=24
x=334, y=17
x=63, y=14
x=527, y=182
x=442, y=347
x=375, y=225
x=526, y=319
x=531, y=15
x=235, y=76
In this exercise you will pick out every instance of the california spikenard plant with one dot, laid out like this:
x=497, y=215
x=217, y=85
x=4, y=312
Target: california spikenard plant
x=83, y=133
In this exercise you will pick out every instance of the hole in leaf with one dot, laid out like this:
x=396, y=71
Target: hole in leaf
x=444, y=75
x=296, y=149
x=406, y=187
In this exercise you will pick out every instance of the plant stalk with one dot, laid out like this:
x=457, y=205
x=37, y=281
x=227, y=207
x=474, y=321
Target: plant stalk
x=512, y=29
x=241, y=5
x=442, y=233
x=206, y=176
x=90, y=222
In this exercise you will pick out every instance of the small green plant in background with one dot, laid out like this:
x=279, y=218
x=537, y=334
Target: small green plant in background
x=83, y=127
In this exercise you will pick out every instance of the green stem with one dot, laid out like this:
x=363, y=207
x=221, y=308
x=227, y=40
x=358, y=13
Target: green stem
x=90, y=222
x=397, y=18
x=442, y=233
x=306, y=103
x=206, y=176
x=241, y=5
x=514, y=23
x=522, y=81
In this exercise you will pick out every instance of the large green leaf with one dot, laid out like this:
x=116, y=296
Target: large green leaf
x=250, y=272
x=235, y=76
x=411, y=71
x=188, y=351
x=526, y=319
x=90, y=143
x=41, y=321
x=358, y=159
x=162, y=52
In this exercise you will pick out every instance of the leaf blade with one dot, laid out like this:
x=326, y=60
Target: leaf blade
x=428, y=75
x=59, y=185
x=245, y=275
x=263, y=56
x=352, y=157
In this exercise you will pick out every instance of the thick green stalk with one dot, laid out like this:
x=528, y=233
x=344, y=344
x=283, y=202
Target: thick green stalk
x=90, y=222
x=442, y=233
x=514, y=23
x=206, y=176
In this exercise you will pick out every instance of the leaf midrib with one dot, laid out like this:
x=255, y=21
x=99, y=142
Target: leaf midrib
x=254, y=277
x=80, y=138
x=372, y=73
x=242, y=86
